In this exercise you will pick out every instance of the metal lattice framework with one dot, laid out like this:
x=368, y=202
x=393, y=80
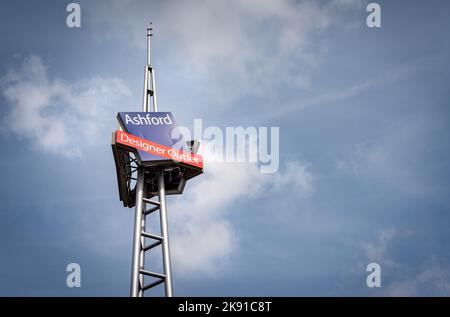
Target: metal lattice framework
x=139, y=183
x=127, y=166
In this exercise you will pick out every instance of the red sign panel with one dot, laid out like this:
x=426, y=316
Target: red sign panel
x=158, y=149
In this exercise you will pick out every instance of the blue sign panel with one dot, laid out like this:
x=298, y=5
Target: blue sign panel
x=152, y=126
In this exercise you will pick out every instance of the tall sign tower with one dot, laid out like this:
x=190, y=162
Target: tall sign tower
x=151, y=163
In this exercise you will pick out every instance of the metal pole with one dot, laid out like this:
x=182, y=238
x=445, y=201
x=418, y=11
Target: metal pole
x=137, y=279
x=149, y=45
x=149, y=70
x=145, y=104
x=145, y=108
x=155, y=105
x=139, y=240
x=142, y=255
x=164, y=233
x=137, y=247
x=145, y=101
x=150, y=67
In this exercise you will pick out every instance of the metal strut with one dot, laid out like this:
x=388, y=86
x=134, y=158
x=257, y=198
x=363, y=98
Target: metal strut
x=141, y=236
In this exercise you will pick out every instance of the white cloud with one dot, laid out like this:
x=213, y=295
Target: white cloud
x=298, y=175
x=335, y=98
x=376, y=251
x=67, y=118
x=203, y=237
x=392, y=157
x=433, y=279
x=232, y=48
x=349, y=3
x=54, y=115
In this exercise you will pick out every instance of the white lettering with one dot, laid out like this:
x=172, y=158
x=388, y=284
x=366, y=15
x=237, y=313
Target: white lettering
x=148, y=119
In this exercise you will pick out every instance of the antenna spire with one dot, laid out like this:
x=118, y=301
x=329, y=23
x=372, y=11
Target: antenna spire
x=149, y=78
x=149, y=44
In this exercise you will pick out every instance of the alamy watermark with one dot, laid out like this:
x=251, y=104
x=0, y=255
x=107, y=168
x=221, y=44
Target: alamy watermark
x=74, y=277
x=234, y=144
x=374, y=278
x=73, y=19
x=374, y=18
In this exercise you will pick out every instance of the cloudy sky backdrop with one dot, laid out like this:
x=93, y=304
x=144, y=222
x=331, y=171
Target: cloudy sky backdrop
x=364, y=150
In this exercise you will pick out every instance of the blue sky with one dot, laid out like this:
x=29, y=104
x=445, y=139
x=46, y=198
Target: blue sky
x=364, y=153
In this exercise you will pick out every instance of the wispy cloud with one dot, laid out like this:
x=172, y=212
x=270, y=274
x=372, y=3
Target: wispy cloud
x=399, y=278
x=66, y=118
x=376, y=251
x=203, y=237
x=392, y=157
x=230, y=49
x=432, y=280
x=332, y=98
x=54, y=115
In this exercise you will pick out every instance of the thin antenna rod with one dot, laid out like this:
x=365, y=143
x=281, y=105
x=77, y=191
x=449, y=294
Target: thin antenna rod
x=149, y=83
x=149, y=44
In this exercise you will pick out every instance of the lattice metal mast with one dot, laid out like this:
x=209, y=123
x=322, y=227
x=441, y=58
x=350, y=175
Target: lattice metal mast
x=140, y=233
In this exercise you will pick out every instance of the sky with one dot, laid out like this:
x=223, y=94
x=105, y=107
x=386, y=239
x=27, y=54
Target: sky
x=364, y=120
